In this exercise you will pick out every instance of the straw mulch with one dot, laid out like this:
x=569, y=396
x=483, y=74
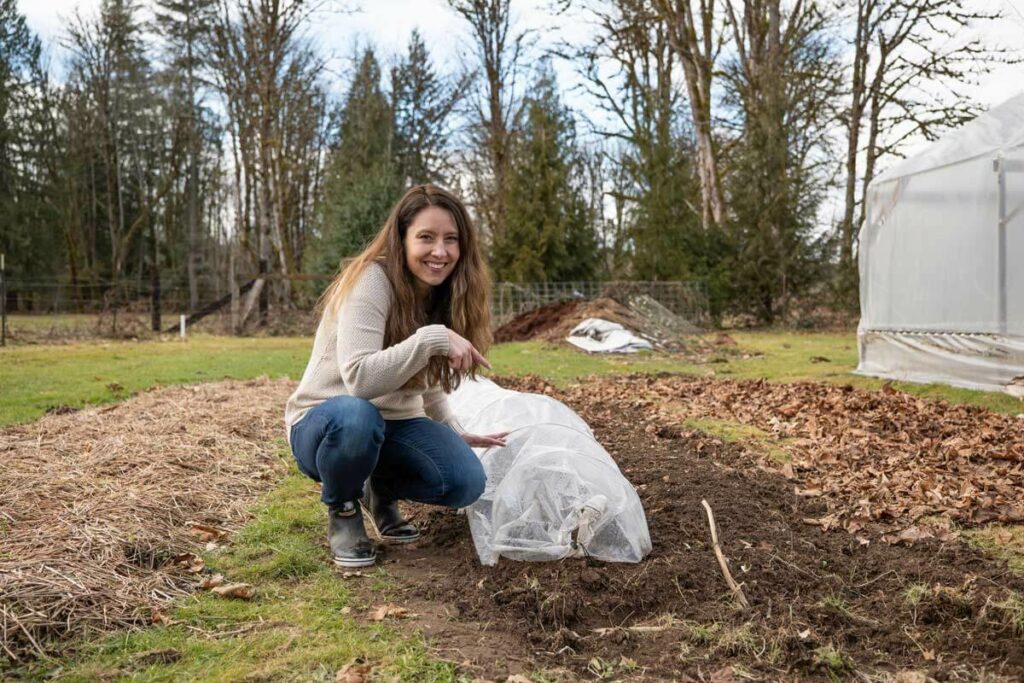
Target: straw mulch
x=98, y=506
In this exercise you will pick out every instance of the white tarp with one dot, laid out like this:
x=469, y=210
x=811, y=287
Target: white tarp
x=552, y=491
x=597, y=335
x=942, y=260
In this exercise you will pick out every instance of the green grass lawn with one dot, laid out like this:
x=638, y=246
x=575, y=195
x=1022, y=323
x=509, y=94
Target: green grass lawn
x=36, y=378
x=775, y=356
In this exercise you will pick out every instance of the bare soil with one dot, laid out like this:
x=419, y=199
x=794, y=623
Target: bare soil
x=824, y=604
x=535, y=322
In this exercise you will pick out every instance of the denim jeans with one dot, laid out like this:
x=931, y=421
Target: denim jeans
x=344, y=440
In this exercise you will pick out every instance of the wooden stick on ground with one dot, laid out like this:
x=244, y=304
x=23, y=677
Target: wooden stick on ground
x=737, y=591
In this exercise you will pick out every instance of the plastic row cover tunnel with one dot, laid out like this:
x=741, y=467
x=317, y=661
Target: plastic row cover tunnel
x=553, y=491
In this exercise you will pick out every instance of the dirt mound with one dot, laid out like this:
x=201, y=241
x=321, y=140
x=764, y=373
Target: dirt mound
x=823, y=605
x=604, y=308
x=637, y=312
x=535, y=322
x=100, y=508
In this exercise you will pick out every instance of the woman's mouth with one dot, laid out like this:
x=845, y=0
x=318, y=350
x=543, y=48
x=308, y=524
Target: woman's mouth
x=435, y=266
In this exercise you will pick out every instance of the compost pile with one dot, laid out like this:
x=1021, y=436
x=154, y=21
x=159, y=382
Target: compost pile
x=101, y=508
x=638, y=313
x=823, y=605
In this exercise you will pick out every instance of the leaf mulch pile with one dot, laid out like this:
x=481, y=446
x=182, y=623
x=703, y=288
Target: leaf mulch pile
x=824, y=605
x=882, y=457
x=101, y=508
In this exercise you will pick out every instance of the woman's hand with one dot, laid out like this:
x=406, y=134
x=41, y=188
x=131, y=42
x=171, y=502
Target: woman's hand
x=462, y=355
x=485, y=440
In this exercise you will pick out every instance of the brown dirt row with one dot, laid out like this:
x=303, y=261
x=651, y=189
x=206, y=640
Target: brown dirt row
x=824, y=605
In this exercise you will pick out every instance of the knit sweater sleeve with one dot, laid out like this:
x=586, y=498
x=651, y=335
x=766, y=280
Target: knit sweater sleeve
x=367, y=369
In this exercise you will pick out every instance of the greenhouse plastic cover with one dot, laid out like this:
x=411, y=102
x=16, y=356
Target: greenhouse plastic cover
x=942, y=285
x=552, y=491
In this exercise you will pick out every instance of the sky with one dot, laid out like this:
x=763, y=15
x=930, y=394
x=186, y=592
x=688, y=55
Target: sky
x=387, y=24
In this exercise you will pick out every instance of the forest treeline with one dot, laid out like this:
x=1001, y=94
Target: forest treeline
x=185, y=146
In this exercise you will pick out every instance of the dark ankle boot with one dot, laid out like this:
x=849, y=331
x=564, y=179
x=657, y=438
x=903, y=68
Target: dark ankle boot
x=349, y=544
x=387, y=520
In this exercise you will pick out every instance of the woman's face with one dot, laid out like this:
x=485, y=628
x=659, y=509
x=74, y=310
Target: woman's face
x=431, y=247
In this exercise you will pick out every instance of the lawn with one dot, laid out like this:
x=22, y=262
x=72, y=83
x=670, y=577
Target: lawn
x=298, y=625
x=34, y=379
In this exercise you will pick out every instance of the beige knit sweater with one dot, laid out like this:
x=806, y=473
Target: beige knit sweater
x=348, y=359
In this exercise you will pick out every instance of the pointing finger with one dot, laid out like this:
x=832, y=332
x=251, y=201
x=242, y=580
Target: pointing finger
x=480, y=359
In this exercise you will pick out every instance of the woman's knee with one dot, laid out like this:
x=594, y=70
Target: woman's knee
x=468, y=486
x=353, y=420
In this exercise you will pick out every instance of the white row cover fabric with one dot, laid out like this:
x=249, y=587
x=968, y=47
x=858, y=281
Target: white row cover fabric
x=553, y=491
x=942, y=260
x=597, y=335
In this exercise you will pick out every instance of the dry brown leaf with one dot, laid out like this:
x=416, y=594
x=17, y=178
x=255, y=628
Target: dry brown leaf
x=723, y=675
x=158, y=616
x=242, y=591
x=207, y=532
x=356, y=671
x=190, y=562
x=382, y=612
x=208, y=582
x=910, y=677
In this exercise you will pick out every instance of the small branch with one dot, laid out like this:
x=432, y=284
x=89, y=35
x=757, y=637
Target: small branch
x=737, y=591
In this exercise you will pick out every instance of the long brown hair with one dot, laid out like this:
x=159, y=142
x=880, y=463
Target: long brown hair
x=461, y=303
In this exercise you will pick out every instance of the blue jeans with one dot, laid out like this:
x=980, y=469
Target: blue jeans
x=344, y=440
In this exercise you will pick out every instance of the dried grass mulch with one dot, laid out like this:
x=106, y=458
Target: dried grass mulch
x=882, y=458
x=99, y=507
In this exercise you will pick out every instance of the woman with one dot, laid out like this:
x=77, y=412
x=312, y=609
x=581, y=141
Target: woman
x=399, y=327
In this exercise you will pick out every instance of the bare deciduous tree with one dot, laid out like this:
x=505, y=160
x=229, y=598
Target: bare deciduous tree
x=695, y=40
x=908, y=65
x=498, y=50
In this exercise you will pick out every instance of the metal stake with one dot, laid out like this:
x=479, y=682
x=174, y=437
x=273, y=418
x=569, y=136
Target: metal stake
x=3, y=300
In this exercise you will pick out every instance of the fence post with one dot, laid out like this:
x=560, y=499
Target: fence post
x=3, y=299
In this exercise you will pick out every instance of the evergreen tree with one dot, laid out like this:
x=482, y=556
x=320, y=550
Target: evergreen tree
x=422, y=102
x=549, y=235
x=361, y=182
x=185, y=25
x=28, y=231
x=783, y=85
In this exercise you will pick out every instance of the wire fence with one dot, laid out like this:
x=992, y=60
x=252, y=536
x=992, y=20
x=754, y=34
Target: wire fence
x=687, y=299
x=39, y=310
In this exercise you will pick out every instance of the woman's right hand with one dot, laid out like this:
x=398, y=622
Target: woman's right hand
x=462, y=355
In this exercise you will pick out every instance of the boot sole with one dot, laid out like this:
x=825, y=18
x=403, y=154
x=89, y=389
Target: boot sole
x=355, y=564
x=390, y=540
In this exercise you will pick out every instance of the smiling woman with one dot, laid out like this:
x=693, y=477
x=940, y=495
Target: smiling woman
x=431, y=248
x=400, y=326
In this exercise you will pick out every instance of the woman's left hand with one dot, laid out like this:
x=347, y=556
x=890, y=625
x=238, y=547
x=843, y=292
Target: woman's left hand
x=485, y=440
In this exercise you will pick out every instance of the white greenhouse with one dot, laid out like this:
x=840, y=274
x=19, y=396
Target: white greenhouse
x=942, y=260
